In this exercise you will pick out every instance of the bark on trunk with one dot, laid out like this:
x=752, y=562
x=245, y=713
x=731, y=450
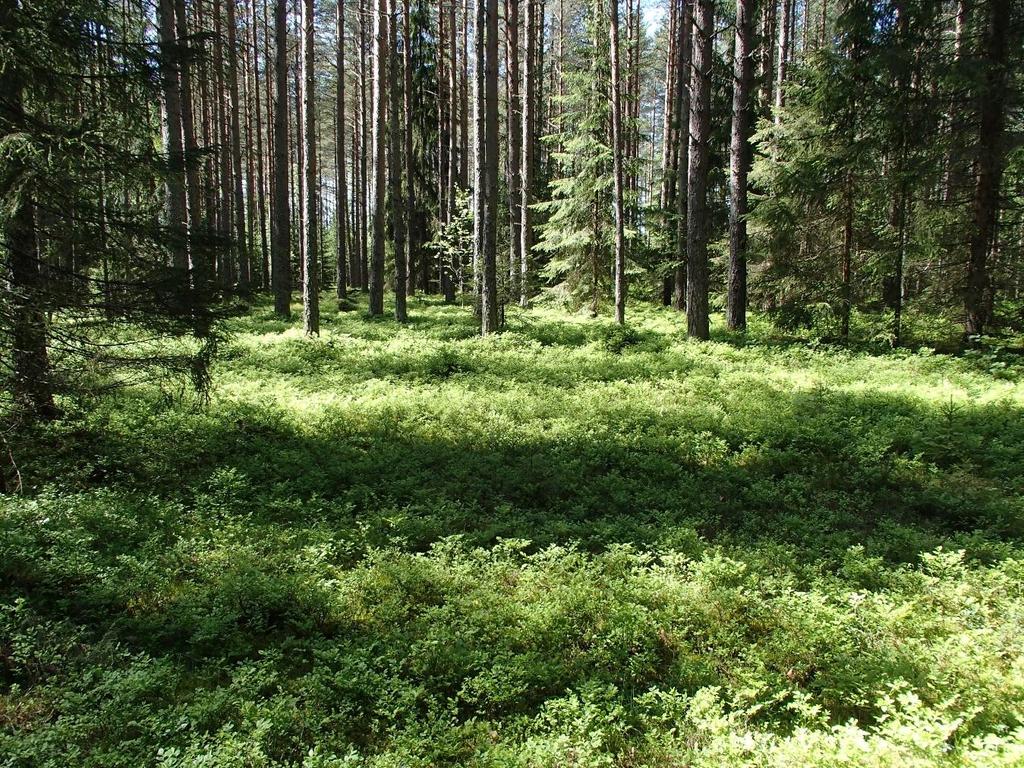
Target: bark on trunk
x=341, y=194
x=32, y=385
x=697, y=321
x=617, y=152
x=739, y=163
x=529, y=153
x=684, y=68
x=489, y=292
x=238, y=198
x=280, y=256
x=398, y=212
x=780, y=69
x=988, y=164
x=413, y=237
x=380, y=34
x=311, y=271
x=515, y=142
x=172, y=138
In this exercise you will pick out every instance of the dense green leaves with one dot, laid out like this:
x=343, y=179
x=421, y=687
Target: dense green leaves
x=571, y=544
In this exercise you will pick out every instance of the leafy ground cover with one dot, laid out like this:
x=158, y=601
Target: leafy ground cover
x=570, y=545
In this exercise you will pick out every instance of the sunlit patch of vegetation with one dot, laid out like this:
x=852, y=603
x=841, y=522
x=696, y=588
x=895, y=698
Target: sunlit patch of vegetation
x=570, y=544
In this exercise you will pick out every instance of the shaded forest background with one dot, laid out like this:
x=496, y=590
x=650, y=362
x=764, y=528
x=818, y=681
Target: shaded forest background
x=850, y=167
x=533, y=383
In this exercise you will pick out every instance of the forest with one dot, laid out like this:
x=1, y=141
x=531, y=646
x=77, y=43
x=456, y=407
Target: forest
x=511, y=383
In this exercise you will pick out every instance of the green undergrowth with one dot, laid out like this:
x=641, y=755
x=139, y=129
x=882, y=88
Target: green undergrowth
x=569, y=545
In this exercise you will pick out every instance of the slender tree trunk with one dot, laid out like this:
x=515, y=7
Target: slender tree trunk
x=988, y=163
x=780, y=70
x=673, y=145
x=847, y=258
x=955, y=172
x=363, y=105
x=32, y=385
x=208, y=112
x=380, y=36
x=739, y=163
x=515, y=142
x=617, y=152
x=529, y=153
x=300, y=146
x=357, y=200
x=193, y=184
x=311, y=270
x=452, y=174
x=669, y=146
x=341, y=195
x=697, y=320
x=399, y=213
x=489, y=292
x=464, y=109
x=281, y=229
x=238, y=198
x=413, y=234
x=222, y=124
x=172, y=138
x=766, y=72
x=259, y=201
x=684, y=69
x=267, y=161
x=249, y=130
x=479, y=151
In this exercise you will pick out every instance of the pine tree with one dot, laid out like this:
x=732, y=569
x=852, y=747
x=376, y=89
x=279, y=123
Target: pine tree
x=577, y=235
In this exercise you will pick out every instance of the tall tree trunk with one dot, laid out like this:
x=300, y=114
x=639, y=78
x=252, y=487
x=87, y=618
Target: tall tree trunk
x=515, y=142
x=479, y=150
x=669, y=146
x=380, y=36
x=671, y=137
x=464, y=109
x=684, y=67
x=988, y=163
x=529, y=152
x=617, y=152
x=780, y=69
x=847, y=258
x=341, y=194
x=697, y=321
x=739, y=163
x=260, y=201
x=413, y=238
x=32, y=385
x=311, y=270
x=193, y=184
x=399, y=214
x=766, y=55
x=300, y=146
x=445, y=276
x=267, y=162
x=452, y=174
x=281, y=229
x=208, y=113
x=489, y=291
x=172, y=138
x=365, y=140
x=227, y=267
x=358, y=234
x=249, y=130
x=238, y=198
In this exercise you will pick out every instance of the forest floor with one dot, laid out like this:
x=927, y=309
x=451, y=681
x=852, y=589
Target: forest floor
x=569, y=545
